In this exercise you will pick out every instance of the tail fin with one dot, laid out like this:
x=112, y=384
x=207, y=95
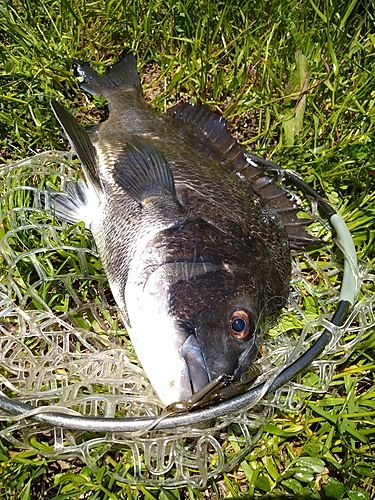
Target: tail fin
x=122, y=75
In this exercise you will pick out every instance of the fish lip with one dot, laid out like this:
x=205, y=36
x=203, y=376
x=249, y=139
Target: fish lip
x=198, y=372
x=193, y=357
x=245, y=360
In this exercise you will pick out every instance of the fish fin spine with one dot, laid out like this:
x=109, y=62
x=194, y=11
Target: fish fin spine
x=201, y=121
x=213, y=127
x=123, y=74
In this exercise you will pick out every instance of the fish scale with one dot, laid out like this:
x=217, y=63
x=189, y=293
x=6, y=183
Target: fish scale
x=197, y=257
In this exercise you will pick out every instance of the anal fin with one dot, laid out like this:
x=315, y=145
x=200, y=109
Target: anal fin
x=81, y=143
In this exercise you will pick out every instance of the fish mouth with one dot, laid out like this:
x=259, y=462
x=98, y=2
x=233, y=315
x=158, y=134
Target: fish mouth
x=192, y=354
x=247, y=357
x=198, y=372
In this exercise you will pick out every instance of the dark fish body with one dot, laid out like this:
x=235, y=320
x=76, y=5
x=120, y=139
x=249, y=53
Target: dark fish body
x=194, y=238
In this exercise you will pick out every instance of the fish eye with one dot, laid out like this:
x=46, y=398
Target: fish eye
x=241, y=325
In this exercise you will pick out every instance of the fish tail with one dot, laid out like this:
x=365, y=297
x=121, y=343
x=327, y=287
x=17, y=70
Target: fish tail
x=122, y=75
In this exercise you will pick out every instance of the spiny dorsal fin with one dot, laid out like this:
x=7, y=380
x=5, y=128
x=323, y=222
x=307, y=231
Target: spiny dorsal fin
x=212, y=126
x=143, y=172
x=211, y=132
x=81, y=143
x=122, y=75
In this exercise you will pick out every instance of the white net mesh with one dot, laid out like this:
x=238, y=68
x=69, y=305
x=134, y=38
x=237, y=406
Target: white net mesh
x=62, y=346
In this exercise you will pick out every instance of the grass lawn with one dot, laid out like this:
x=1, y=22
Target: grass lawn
x=295, y=80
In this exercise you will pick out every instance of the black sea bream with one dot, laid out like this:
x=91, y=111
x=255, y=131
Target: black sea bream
x=193, y=236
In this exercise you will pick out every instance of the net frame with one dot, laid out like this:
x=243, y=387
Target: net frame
x=71, y=361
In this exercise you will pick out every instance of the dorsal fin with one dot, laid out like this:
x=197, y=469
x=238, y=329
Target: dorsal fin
x=210, y=131
x=212, y=126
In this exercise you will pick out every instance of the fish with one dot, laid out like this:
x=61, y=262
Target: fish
x=193, y=235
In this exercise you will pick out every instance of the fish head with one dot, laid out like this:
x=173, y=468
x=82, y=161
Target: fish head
x=222, y=313
x=197, y=306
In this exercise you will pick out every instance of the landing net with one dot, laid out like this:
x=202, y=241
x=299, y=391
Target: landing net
x=63, y=348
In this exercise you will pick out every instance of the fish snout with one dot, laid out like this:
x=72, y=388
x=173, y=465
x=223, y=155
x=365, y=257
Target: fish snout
x=193, y=356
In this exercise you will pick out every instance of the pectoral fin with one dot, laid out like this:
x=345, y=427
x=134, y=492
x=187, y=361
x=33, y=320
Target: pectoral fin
x=143, y=173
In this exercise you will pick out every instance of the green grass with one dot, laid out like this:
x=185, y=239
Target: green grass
x=296, y=82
